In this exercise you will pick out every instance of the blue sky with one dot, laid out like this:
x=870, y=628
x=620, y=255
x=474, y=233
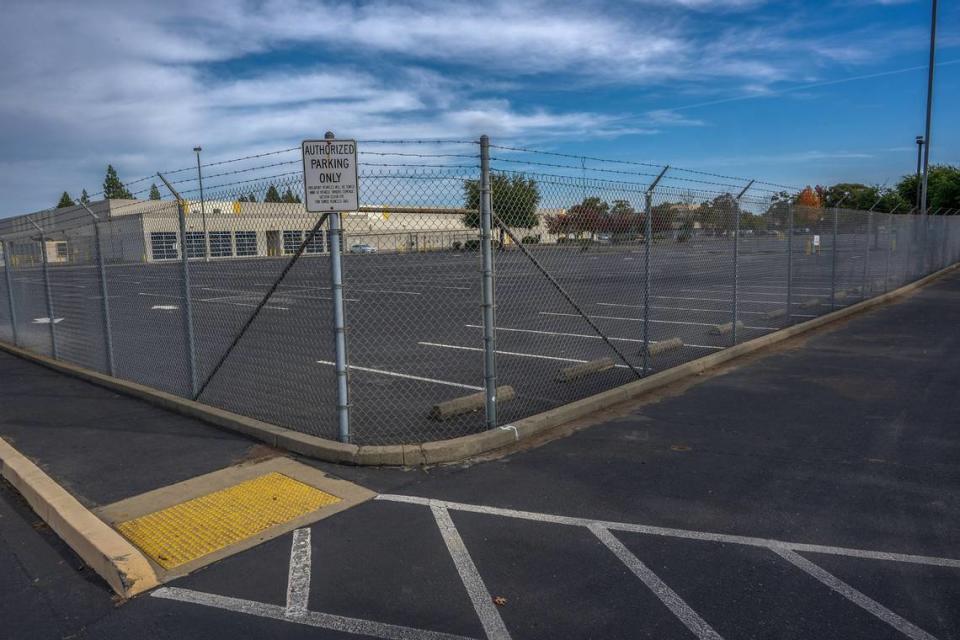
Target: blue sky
x=741, y=87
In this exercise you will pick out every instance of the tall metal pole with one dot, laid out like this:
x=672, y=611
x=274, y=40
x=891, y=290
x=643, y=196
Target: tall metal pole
x=187, y=302
x=489, y=310
x=866, y=259
x=920, y=141
x=7, y=268
x=105, y=307
x=926, y=135
x=341, y=364
x=789, y=316
x=203, y=208
x=46, y=286
x=736, y=262
x=647, y=241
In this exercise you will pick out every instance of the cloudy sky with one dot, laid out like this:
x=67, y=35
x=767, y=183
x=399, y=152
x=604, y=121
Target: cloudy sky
x=797, y=92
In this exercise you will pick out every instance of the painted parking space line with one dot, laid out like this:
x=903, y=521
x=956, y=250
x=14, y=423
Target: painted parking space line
x=752, y=293
x=667, y=596
x=727, y=300
x=584, y=335
x=669, y=532
x=699, y=324
x=298, y=576
x=863, y=601
x=396, y=374
x=513, y=353
x=662, y=308
x=479, y=595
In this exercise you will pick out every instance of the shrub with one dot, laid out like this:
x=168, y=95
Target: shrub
x=530, y=240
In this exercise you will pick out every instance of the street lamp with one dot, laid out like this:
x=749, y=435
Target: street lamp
x=203, y=209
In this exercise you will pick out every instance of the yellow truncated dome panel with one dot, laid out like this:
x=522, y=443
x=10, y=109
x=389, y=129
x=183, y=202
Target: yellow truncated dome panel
x=192, y=529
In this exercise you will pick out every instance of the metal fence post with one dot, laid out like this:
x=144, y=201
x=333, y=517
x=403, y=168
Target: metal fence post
x=7, y=265
x=49, y=294
x=489, y=310
x=339, y=329
x=789, y=315
x=185, y=280
x=647, y=240
x=866, y=259
x=736, y=262
x=834, y=250
x=105, y=307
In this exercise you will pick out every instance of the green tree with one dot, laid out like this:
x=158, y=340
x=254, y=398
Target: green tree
x=112, y=187
x=154, y=191
x=84, y=198
x=515, y=201
x=852, y=195
x=272, y=195
x=289, y=197
x=943, y=188
x=718, y=214
x=251, y=198
x=65, y=201
x=621, y=208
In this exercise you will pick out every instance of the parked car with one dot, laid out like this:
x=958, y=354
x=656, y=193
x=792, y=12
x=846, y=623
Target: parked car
x=362, y=248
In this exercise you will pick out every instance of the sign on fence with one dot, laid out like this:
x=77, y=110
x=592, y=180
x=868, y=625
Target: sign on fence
x=330, y=175
x=816, y=241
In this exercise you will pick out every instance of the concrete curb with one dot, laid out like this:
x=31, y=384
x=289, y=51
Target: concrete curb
x=455, y=449
x=104, y=550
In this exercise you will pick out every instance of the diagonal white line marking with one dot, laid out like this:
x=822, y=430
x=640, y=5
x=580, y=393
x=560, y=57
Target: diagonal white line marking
x=407, y=376
x=512, y=353
x=310, y=618
x=298, y=581
x=676, y=533
x=699, y=324
x=482, y=602
x=668, y=596
x=903, y=626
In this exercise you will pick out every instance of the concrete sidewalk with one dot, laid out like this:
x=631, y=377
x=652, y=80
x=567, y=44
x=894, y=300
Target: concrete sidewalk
x=843, y=442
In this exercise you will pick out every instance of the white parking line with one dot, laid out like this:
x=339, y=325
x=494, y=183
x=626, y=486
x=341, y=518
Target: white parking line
x=407, y=376
x=668, y=596
x=298, y=577
x=903, y=626
x=479, y=595
x=588, y=336
x=513, y=353
x=653, y=306
x=752, y=293
x=686, y=534
x=699, y=324
x=727, y=300
x=330, y=621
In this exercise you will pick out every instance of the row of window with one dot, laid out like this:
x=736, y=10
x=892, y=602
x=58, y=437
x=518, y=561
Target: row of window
x=224, y=244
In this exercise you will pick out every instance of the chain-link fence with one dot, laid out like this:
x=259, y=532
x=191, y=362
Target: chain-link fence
x=480, y=284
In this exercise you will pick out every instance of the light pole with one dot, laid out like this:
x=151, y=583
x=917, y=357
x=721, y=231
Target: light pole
x=919, y=168
x=926, y=136
x=203, y=209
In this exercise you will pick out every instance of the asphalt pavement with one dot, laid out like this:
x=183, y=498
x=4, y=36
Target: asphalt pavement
x=807, y=492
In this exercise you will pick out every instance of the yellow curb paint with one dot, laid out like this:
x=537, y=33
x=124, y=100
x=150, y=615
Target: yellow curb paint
x=176, y=535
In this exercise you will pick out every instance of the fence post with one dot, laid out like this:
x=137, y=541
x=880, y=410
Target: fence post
x=736, y=262
x=789, y=316
x=339, y=328
x=866, y=259
x=7, y=266
x=49, y=294
x=834, y=250
x=105, y=307
x=489, y=310
x=647, y=238
x=185, y=280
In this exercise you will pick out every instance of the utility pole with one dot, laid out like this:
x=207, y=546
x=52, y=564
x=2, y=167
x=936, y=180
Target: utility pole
x=919, y=169
x=926, y=137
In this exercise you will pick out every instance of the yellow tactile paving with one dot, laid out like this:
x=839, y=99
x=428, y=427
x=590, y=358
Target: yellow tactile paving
x=186, y=531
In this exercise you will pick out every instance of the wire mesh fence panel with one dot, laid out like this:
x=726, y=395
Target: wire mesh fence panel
x=412, y=283
x=34, y=326
x=812, y=283
x=6, y=312
x=851, y=230
x=144, y=279
x=261, y=305
x=762, y=266
x=77, y=297
x=566, y=274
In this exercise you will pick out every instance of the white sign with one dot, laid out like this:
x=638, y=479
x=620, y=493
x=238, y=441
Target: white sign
x=816, y=241
x=330, y=175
